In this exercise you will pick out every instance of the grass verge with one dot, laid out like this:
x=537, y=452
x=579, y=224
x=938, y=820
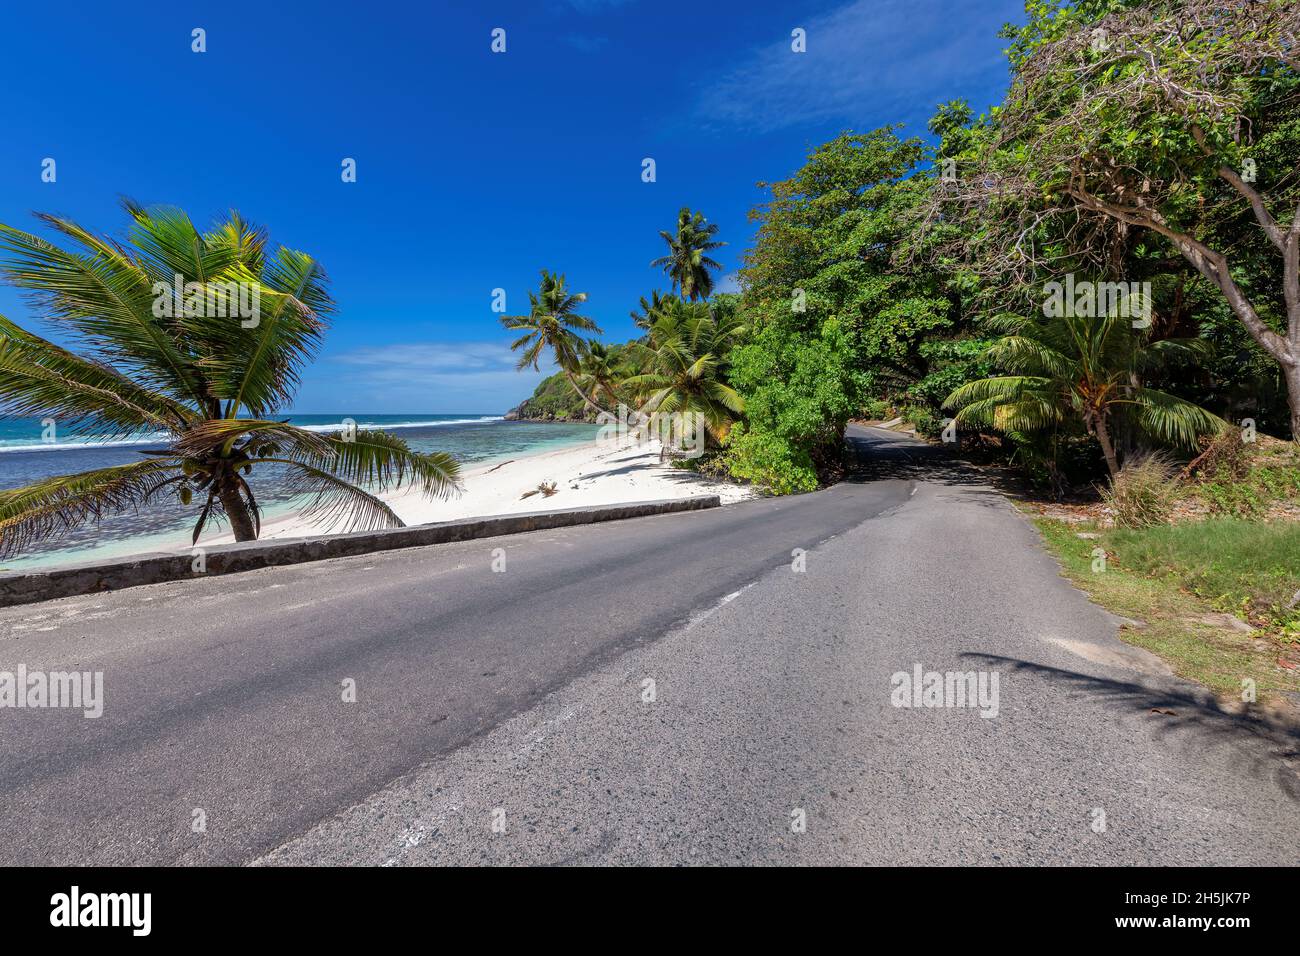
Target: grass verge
x=1242, y=567
x=1173, y=578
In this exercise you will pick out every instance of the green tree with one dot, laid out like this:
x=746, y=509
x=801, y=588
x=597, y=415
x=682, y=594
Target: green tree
x=645, y=317
x=1089, y=369
x=1173, y=119
x=553, y=323
x=687, y=263
x=169, y=346
x=838, y=310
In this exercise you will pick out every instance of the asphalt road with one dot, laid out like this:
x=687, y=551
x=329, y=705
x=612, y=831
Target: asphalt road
x=663, y=690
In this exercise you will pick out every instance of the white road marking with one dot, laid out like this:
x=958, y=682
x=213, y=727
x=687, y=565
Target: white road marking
x=709, y=612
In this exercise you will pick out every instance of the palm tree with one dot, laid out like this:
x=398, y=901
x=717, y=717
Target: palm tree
x=650, y=308
x=1087, y=369
x=686, y=262
x=596, y=373
x=550, y=324
x=167, y=348
x=687, y=350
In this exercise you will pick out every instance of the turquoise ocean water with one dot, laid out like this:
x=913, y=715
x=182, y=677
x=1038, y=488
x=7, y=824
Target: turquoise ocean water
x=30, y=451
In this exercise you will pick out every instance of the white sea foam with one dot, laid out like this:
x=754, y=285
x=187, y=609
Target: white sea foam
x=88, y=443
x=362, y=423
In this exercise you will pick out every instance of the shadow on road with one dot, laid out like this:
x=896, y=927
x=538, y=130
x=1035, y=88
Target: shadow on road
x=874, y=454
x=1259, y=747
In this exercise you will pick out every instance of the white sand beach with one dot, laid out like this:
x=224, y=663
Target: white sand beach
x=584, y=475
x=589, y=474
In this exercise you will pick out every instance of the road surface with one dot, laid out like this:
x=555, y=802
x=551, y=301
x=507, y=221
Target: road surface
x=712, y=687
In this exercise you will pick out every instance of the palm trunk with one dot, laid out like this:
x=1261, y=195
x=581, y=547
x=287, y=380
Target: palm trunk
x=1107, y=449
x=1054, y=474
x=581, y=394
x=241, y=522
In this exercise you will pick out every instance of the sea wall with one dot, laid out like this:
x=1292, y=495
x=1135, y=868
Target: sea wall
x=25, y=587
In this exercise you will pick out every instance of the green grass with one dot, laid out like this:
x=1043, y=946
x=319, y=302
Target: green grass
x=1160, y=576
x=1248, y=568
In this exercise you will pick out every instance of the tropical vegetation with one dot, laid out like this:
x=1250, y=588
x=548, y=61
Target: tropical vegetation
x=902, y=277
x=685, y=364
x=686, y=263
x=552, y=325
x=1087, y=370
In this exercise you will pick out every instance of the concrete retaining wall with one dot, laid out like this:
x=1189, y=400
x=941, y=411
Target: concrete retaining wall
x=19, y=587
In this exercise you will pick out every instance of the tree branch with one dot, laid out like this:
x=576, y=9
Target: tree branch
x=1271, y=228
x=1211, y=264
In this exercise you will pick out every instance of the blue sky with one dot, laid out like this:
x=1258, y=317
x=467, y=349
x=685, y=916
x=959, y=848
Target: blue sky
x=474, y=169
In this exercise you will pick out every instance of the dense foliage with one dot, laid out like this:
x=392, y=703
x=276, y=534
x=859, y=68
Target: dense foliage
x=838, y=316
x=1144, y=153
x=908, y=258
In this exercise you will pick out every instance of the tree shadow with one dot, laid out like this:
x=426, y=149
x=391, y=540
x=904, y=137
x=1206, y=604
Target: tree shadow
x=1259, y=746
x=632, y=468
x=873, y=454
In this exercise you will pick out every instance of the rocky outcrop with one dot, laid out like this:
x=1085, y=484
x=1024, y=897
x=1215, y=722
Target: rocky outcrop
x=553, y=401
x=530, y=411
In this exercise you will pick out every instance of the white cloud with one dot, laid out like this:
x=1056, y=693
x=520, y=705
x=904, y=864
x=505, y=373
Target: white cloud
x=728, y=283
x=423, y=376
x=860, y=65
x=453, y=357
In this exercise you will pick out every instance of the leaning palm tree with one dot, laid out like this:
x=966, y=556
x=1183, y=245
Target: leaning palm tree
x=169, y=346
x=1086, y=369
x=686, y=263
x=687, y=349
x=550, y=324
x=596, y=372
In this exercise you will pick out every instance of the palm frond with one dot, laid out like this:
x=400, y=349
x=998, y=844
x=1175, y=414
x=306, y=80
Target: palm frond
x=169, y=245
x=246, y=241
x=1027, y=412
x=107, y=299
x=1172, y=352
x=333, y=500
x=380, y=461
x=38, y=378
x=727, y=396
x=259, y=369
x=51, y=507
x=1023, y=354
x=217, y=436
x=999, y=388
x=1172, y=419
